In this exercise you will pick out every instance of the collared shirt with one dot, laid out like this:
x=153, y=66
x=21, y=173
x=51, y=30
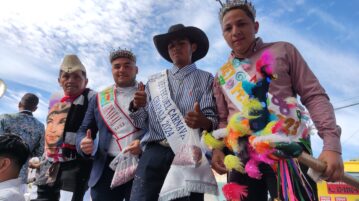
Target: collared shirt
x=294, y=77
x=10, y=190
x=29, y=129
x=187, y=85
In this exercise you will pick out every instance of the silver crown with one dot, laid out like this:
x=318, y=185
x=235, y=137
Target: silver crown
x=230, y=4
x=122, y=53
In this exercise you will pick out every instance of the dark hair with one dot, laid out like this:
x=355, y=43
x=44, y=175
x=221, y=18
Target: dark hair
x=13, y=147
x=244, y=8
x=60, y=109
x=29, y=101
x=61, y=71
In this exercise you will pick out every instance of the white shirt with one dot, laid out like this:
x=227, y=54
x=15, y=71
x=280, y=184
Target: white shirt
x=124, y=97
x=10, y=190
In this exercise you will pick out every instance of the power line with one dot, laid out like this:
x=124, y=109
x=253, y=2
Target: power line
x=350, y=137
x=346, y=99
x=339, y=108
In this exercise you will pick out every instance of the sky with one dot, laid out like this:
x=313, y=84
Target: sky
x=35, y=35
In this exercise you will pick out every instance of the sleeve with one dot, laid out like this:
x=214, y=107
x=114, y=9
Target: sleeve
x=207, y=103
x=39, y=150
x=315, y=99
x=220, y=103
x=140, y=117
x=89, y=122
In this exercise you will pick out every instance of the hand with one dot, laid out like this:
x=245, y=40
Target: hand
x=335, y=167
x=34, y=163
x=86, y=144
x=134, y=148
x=217, y=161
x=140, y=98
x=196, y=119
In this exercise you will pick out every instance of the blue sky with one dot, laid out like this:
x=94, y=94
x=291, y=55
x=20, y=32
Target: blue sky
x=35, y=35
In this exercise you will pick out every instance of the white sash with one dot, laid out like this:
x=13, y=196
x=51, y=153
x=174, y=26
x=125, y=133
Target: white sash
x=230, y=77
x=115, y=119
x=180, y=180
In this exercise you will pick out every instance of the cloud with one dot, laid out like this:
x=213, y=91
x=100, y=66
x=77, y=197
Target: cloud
x=11, y=99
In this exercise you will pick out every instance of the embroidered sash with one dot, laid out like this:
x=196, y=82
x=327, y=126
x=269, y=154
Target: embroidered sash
x=115, y=118
x=180, y=180
x=232, y=76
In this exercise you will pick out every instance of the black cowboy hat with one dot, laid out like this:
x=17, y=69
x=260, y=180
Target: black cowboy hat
x=194, y=34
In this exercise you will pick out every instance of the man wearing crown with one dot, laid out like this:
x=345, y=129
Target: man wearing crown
x=61, y=167
x=177, y=104
x=108, y=114
x=291, y=78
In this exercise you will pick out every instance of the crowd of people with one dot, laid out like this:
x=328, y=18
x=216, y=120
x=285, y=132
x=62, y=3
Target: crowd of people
x=139, y=142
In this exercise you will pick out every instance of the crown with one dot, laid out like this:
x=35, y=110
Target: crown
x=230, y=4
x=122, y=53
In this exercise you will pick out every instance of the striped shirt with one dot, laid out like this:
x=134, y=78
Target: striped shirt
x=187, y=85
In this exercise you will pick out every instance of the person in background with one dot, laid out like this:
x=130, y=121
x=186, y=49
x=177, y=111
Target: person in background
x=26, y=126
x=14, y=153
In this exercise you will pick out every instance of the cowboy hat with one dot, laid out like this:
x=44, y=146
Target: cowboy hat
x=194, y=34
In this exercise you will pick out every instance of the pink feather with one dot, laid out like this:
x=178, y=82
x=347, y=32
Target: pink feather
x=234, y=192
x=252, y=170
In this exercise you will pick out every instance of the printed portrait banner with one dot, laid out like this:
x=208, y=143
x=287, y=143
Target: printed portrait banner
x=55, y=125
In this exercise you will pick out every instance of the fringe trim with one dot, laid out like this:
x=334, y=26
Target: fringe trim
x=191, y=186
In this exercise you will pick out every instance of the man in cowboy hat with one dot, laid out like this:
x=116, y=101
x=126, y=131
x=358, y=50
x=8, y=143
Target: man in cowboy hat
x=182, y=93
x=108, y=114
x=61, y=166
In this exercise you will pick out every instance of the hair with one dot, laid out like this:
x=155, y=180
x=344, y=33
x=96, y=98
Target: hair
x=61, y=108
x=122, y=53
x=29, y=101
x=83, y=73
x=244, y=8
x=13, y=147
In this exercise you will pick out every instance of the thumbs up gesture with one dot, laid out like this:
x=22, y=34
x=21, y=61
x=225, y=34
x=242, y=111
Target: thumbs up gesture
x=140, y=98
x=196, y=119
x=86, y=144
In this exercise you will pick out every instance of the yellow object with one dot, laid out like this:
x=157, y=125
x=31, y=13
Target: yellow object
x=233, y=163
x=250, y=105
x=239, y=125
x=339, y=191
x=211, y=142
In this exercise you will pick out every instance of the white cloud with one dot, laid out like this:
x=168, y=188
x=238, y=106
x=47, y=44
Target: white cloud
x=329, y=19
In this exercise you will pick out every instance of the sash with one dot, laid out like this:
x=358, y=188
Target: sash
x=180, y=180
x=231, y=75
x=115, y=118
x=231, y=78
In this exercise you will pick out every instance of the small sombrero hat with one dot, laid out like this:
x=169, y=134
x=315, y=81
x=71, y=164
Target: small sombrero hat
x=194, y=34
x=72, y=63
